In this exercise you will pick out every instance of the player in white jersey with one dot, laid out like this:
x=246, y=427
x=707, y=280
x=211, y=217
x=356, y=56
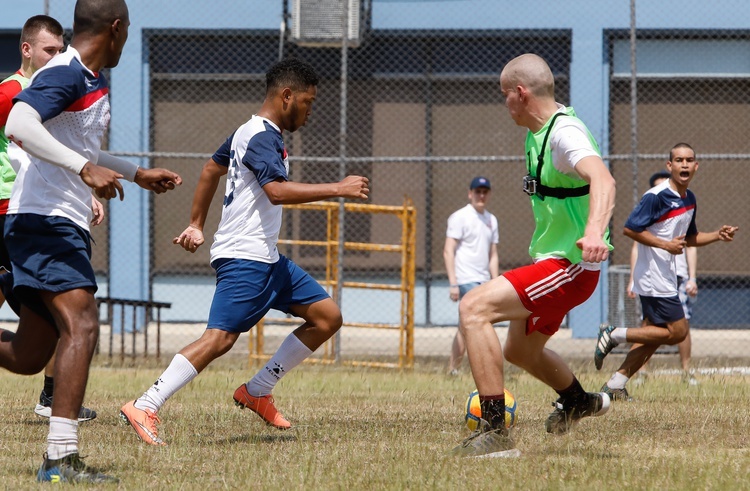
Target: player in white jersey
x=251, y=276
x=687, y=290
x=60, y=120
x=663, y=223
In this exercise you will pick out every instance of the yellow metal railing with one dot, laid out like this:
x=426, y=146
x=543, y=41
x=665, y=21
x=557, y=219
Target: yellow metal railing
x=407, y=215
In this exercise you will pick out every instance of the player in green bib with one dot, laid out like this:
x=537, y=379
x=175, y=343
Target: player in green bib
x=560, y=222
x=572, y=197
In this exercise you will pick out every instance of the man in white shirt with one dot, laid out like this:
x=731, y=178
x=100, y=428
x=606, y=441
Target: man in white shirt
x=470, y=253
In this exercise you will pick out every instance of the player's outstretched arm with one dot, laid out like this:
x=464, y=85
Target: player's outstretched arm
x=192, y=237
x=281, y=192
x=724, y=234
x=157, y=180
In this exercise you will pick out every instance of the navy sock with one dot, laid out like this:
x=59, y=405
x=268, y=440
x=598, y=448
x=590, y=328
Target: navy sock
x=49, y=385
x=574, y=393
x=493, y=410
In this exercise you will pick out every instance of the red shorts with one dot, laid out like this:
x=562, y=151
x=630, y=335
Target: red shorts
x=549, y=289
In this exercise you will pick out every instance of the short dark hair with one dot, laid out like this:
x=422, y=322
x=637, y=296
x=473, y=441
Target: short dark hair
x=662, y=174
x=38, y=23
x=94, y=16
x=293, y=73
x=679, y=145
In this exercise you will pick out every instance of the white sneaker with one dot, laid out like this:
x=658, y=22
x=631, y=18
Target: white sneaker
x=689, y=379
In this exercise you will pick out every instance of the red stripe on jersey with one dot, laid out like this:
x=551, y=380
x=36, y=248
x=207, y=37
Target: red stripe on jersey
x=88, y=100
x=675, y=212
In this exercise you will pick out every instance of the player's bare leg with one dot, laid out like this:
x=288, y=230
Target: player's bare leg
x=27, y=350
x=76, y=315
x=529, y=353
x=674, y=333
x=484, y=305
x=458, y=349
x=322, y=320
x=491, y=302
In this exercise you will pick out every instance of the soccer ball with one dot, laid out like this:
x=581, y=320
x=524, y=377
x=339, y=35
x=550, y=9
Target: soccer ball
x=474, y=410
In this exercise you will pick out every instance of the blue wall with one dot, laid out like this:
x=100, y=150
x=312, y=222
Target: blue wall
x=588, y=19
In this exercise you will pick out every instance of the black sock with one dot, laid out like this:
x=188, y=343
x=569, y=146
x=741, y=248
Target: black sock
x=493, y=410
x=574, y=393
x=49, y=385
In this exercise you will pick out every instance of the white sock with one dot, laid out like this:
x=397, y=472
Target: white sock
x=62, y=438
x=619, y=335
x=175, y=377
x=291, y=353
x=617, y=381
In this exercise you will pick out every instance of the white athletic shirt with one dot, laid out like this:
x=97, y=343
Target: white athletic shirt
x=250, y=223
x=475, y=234
x=666, y=214
x=73, y=102
x=569, y=143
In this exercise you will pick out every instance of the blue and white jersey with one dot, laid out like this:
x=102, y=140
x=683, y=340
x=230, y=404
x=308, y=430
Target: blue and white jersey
x=250, y=223
x=666, y=215
x=73, y=102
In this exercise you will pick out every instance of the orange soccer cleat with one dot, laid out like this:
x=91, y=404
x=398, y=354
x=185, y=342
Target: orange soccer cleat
x=143, y=422
x=262, y=406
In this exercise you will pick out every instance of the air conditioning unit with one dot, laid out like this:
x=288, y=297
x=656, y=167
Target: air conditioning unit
x=319, y=22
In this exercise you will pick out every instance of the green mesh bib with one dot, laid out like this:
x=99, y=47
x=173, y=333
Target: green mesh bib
x=560, y=221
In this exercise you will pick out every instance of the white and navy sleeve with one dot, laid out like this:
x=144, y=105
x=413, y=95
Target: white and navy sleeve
x=53, y=91
x=646, y=213
x=264, y=157
x=223, y=156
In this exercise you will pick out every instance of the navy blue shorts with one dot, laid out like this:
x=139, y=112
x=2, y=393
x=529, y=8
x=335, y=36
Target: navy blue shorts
x=246, y=290
x=4, y=258
x=661, y=310
x=47, y=253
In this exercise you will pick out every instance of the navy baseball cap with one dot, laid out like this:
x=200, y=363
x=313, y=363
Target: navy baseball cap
x=480, y=182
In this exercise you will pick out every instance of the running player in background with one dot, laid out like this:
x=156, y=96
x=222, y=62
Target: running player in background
x=663, y=224
x=687, y=290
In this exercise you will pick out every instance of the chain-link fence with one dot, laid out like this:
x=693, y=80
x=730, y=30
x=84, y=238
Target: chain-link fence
x=412, y=101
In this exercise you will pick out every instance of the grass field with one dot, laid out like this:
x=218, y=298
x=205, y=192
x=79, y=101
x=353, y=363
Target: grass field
x=378, y=429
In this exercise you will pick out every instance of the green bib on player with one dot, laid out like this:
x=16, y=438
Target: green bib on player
x=7, y=174
x=560, y=222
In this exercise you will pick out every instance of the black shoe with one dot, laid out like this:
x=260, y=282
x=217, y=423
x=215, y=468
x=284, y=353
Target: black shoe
x=44, y=409
x=70, y=469
x=565, y=416
x=616, y=394
x=604, y=344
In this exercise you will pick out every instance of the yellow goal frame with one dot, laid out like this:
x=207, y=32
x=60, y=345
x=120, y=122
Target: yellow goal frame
x=407, y=215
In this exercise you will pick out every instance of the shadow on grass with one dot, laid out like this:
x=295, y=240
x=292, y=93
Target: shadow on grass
x=36, y=421
x=286, y=437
